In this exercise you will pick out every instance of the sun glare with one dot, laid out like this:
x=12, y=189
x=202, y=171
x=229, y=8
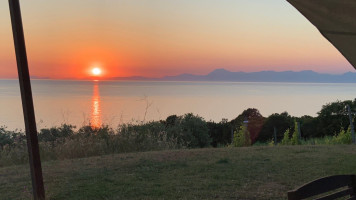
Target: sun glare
x=96, y=71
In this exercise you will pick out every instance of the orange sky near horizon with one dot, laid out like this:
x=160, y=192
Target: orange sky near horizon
x=66, y=39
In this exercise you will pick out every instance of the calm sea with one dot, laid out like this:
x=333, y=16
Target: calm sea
x=115, y=102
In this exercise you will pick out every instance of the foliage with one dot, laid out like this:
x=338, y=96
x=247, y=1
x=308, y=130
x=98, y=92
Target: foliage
x=64, y=142
x=255, y=122
x=272, y=143
x=54, y=133
x=330, y=119
x=332, y=116
x=189, y=130
x=308, y=126
x=281, y=122
x=242, y=137
x=5, y=138
x=10, y=138
x=195, y=132
x=145, y=137
x=286, y=140
x=295, y=136
x=220, y=133
x=327, y=140
x=344, y=137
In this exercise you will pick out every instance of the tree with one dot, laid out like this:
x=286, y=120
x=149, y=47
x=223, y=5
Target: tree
x=220, y=133
x=281, y=122
x=242, y=137
x=332, y=116
x=195, y=131
x=171, y=120
x=189, y=130
x=308, y=126
x=255, y=122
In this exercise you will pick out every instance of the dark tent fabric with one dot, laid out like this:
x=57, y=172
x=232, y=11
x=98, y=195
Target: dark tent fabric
x=336, y=20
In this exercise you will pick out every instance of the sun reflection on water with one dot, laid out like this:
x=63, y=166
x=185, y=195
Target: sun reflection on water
x=95, y=119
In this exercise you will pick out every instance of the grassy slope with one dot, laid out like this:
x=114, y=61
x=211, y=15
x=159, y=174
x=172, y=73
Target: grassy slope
x=226, y=173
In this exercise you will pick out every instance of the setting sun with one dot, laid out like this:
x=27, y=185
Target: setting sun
x=96, y=71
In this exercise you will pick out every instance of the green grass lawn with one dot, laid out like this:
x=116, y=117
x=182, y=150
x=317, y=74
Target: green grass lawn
x=224, y=173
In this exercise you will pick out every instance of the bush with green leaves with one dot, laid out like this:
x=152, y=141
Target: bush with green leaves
x=10, y=138
x=294, y=140
x=54, y=133
x=189, y=130
x=65, y=142
x=242, y=137
x=286, y=140
x=195, y=131
x=5, y=137
x=295, y=136
x=144, y=137
x=343, y=137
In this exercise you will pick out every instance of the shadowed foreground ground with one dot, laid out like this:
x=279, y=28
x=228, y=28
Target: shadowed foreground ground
x=225, y=173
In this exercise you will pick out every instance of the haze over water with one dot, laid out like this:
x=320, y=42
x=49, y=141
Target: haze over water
x=115, y=102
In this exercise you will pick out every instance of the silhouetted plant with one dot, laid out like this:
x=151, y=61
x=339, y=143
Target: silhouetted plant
x=343, y=137
x=54, y=133
x=286, y=140
x=242, y=137
x=295, y=136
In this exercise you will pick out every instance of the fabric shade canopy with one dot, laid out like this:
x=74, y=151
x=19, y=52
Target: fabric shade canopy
x=336, y=20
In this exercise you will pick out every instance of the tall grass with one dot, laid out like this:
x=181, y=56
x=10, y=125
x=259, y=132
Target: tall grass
x=65, y=143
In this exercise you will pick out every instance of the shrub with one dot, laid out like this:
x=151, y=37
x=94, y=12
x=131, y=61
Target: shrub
x=272, y=142
x=295, y=136
x=189, y=130
x=281, y=122
x=242, y=137
x=55, y=133
x=285, y=140
x=65, y=142
x=10, y=138
x=13, y=155
x=344, y=137
x=195, y=131
x=146, y=137
x=5, y=137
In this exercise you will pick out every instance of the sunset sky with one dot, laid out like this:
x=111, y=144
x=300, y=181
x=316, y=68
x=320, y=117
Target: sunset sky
x=153, y=38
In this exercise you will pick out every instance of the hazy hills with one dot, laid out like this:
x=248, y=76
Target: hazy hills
x=262, y=76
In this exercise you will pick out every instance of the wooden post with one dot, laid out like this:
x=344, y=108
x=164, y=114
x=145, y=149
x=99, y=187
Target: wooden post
x=27, y=102
x=275, y=135
x=351, y=124
x=299, y=132
x=232, y=135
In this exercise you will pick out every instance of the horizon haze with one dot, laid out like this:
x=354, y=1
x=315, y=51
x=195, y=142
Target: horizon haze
x=223, y=75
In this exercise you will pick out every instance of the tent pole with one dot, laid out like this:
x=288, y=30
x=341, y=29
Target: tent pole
x=27, y=102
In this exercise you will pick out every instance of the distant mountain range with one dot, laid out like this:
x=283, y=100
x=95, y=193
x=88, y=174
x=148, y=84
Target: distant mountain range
x=307, y=76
